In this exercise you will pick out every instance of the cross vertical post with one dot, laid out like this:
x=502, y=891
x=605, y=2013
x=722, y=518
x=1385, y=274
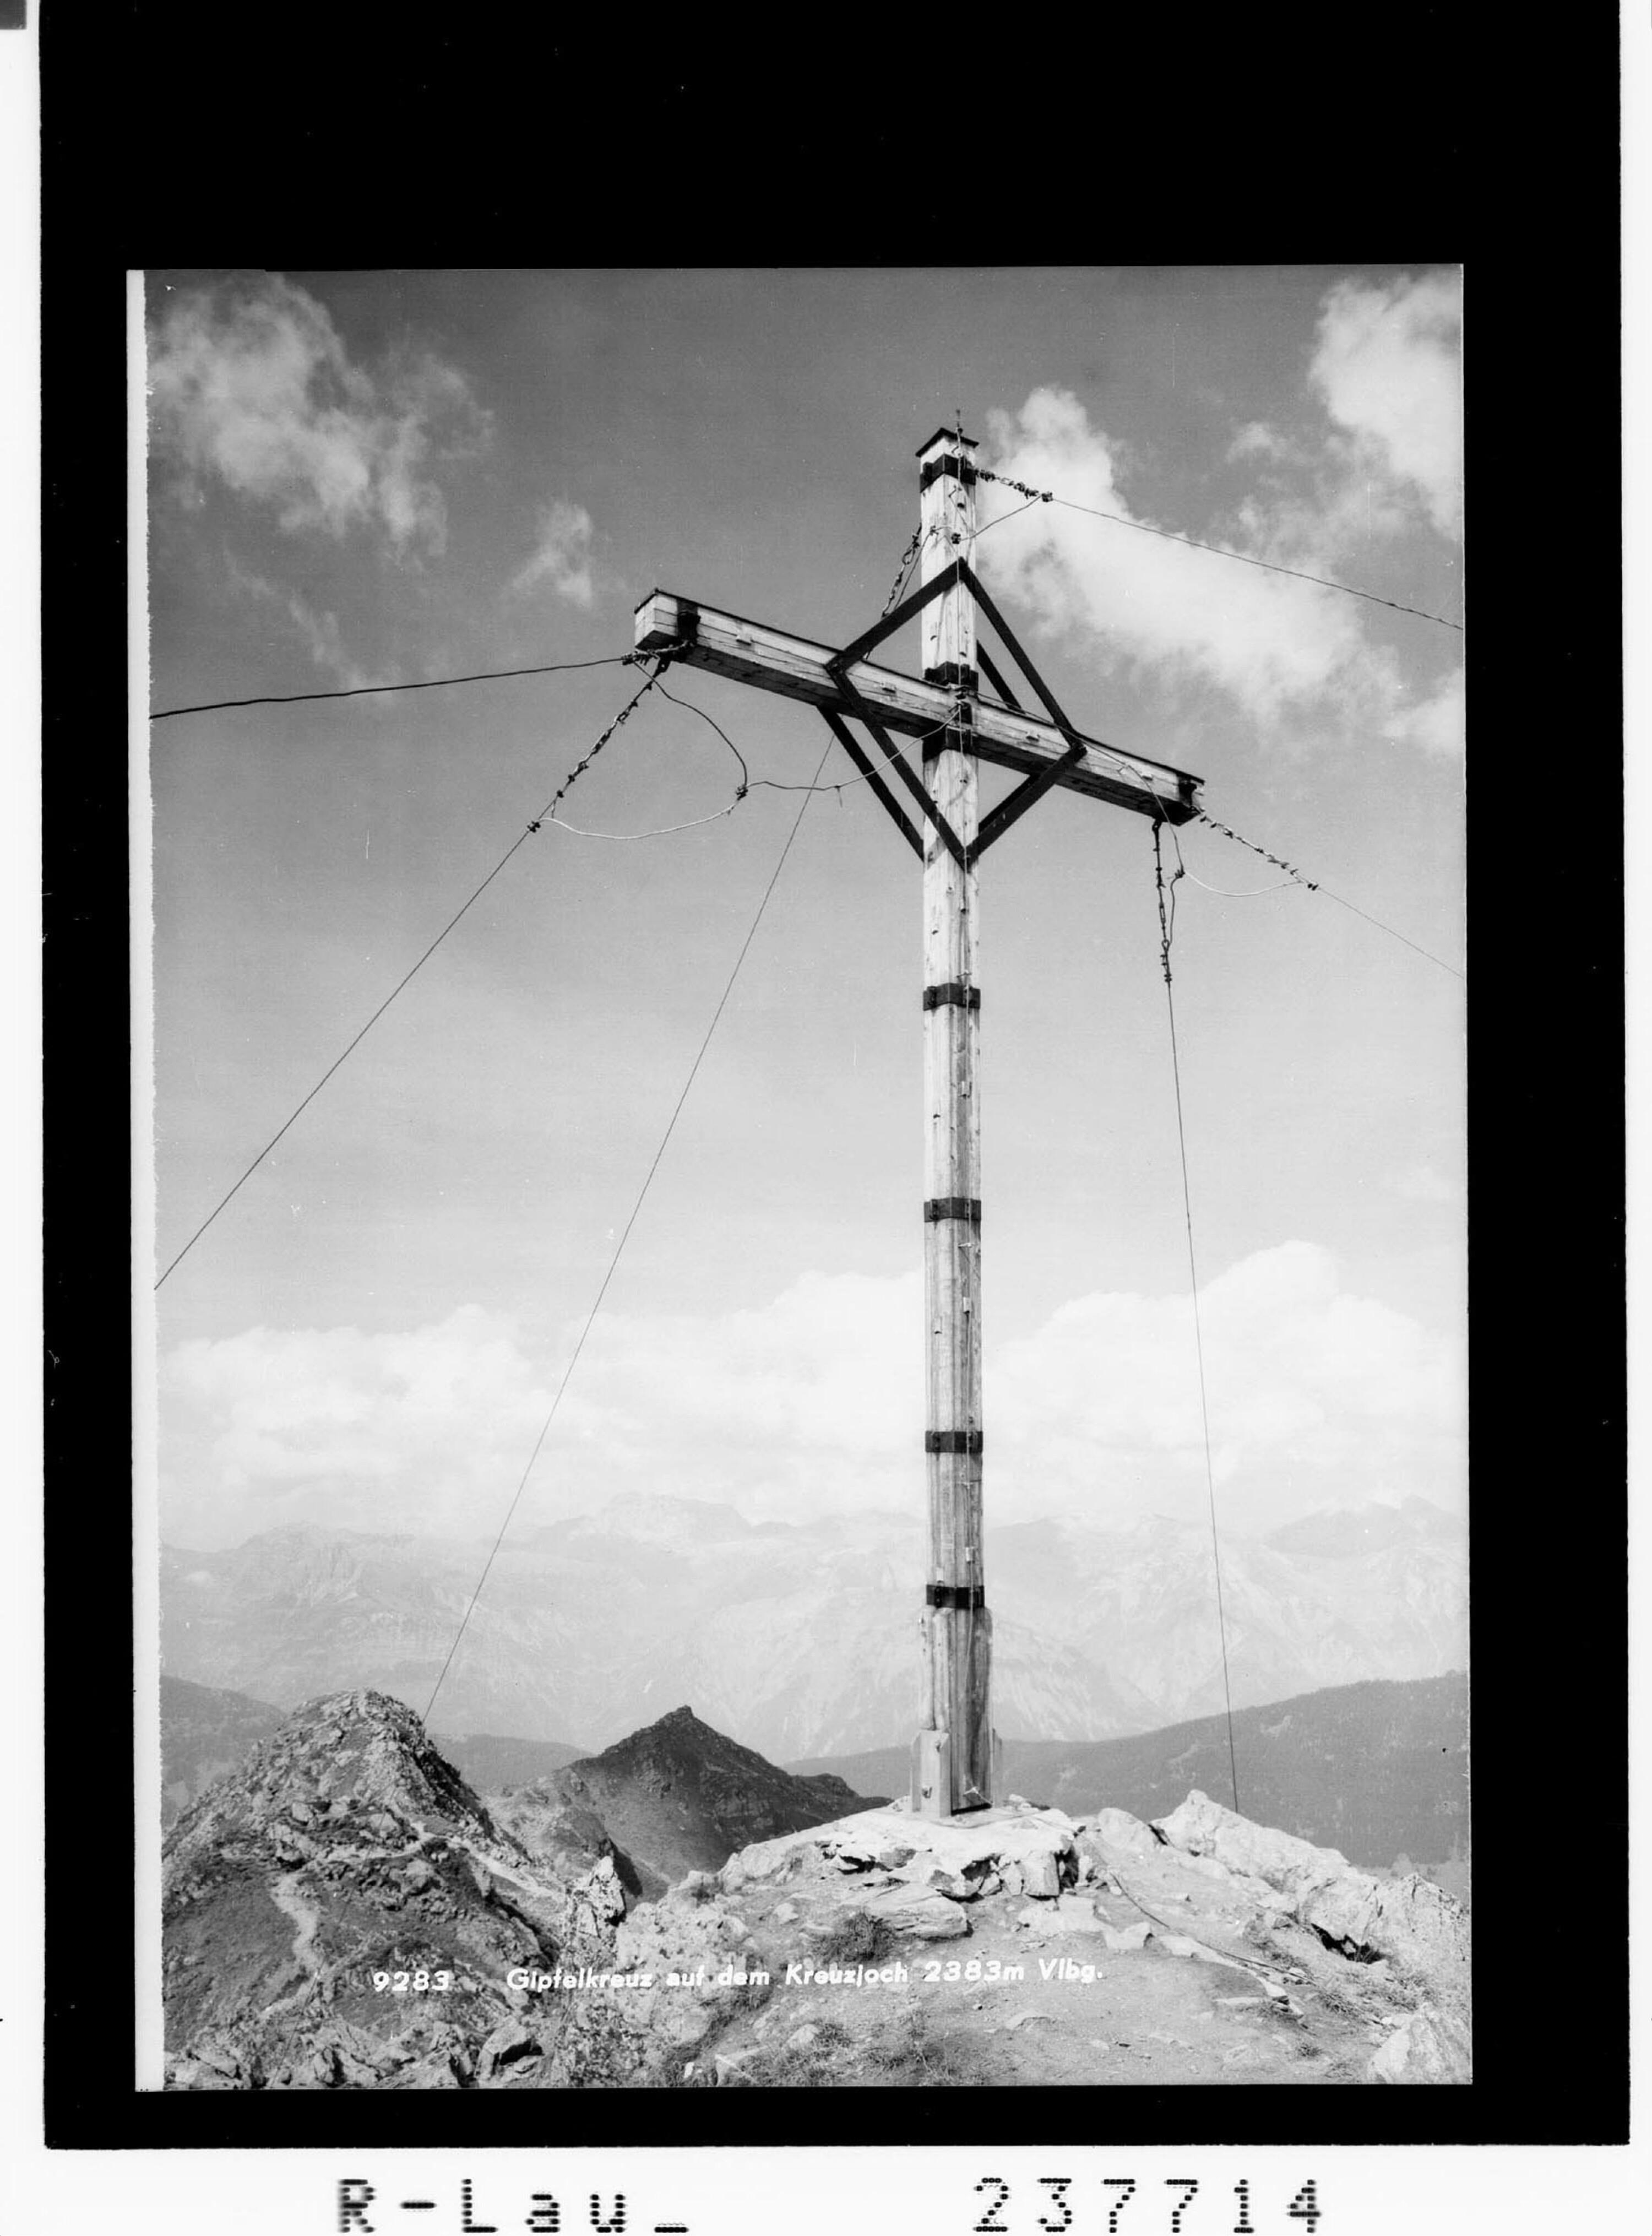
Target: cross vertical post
x=955, y=1756
x=952, y=1765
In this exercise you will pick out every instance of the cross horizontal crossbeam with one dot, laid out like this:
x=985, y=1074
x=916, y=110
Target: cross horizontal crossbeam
x=796, y=667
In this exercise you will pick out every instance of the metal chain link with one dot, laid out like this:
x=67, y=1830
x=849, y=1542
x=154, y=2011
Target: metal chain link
x=661, y=659
x=1289, y=868
x=983, y=474
x=906, y=559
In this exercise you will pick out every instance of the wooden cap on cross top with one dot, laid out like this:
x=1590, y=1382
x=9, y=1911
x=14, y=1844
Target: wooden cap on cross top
x=946, y=435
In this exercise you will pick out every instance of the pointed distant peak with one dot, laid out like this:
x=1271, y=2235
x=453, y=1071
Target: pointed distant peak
x=679, y=1724
x=679, y=1738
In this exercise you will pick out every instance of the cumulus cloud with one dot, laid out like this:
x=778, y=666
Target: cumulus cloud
x=1309, y=1384
x=1384, y=460
x=251, y=385
x=426, y=1429
x=1272, y=643
x=813, y=1405
x=1386, y=364
x=561, y=555
x=1434, y=722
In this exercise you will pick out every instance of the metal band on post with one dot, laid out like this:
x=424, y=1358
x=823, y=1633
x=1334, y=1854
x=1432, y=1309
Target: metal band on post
x=967, y=1596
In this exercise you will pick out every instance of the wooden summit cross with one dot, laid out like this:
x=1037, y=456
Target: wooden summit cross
x=954, y=1767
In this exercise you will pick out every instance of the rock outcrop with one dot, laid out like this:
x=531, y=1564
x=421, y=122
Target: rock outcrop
x=345, y=1912
x=1411, y=1920
x=1408, y=1925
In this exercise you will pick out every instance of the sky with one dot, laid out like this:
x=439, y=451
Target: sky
x=360, y=477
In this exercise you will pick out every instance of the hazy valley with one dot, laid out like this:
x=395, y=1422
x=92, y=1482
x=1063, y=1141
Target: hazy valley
x=800, y=1640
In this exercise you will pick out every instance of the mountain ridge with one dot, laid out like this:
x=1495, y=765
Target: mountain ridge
x=798, y=1637
x=1397, y=1788
x=345, y=1912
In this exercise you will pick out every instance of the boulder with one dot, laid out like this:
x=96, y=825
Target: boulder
x=924, y=1871
x=1425, y=1929
x=1113, y=1836
x=770, y=1859
x=1203, y=1827
x=918, y=1911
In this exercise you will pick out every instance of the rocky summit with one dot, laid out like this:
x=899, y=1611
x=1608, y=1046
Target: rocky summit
x=345, y=1912
x=1019, y=1946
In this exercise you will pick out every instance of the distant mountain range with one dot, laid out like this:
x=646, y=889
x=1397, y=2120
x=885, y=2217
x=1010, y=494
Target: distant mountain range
x=1377, y=1770
x=801, y=1639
